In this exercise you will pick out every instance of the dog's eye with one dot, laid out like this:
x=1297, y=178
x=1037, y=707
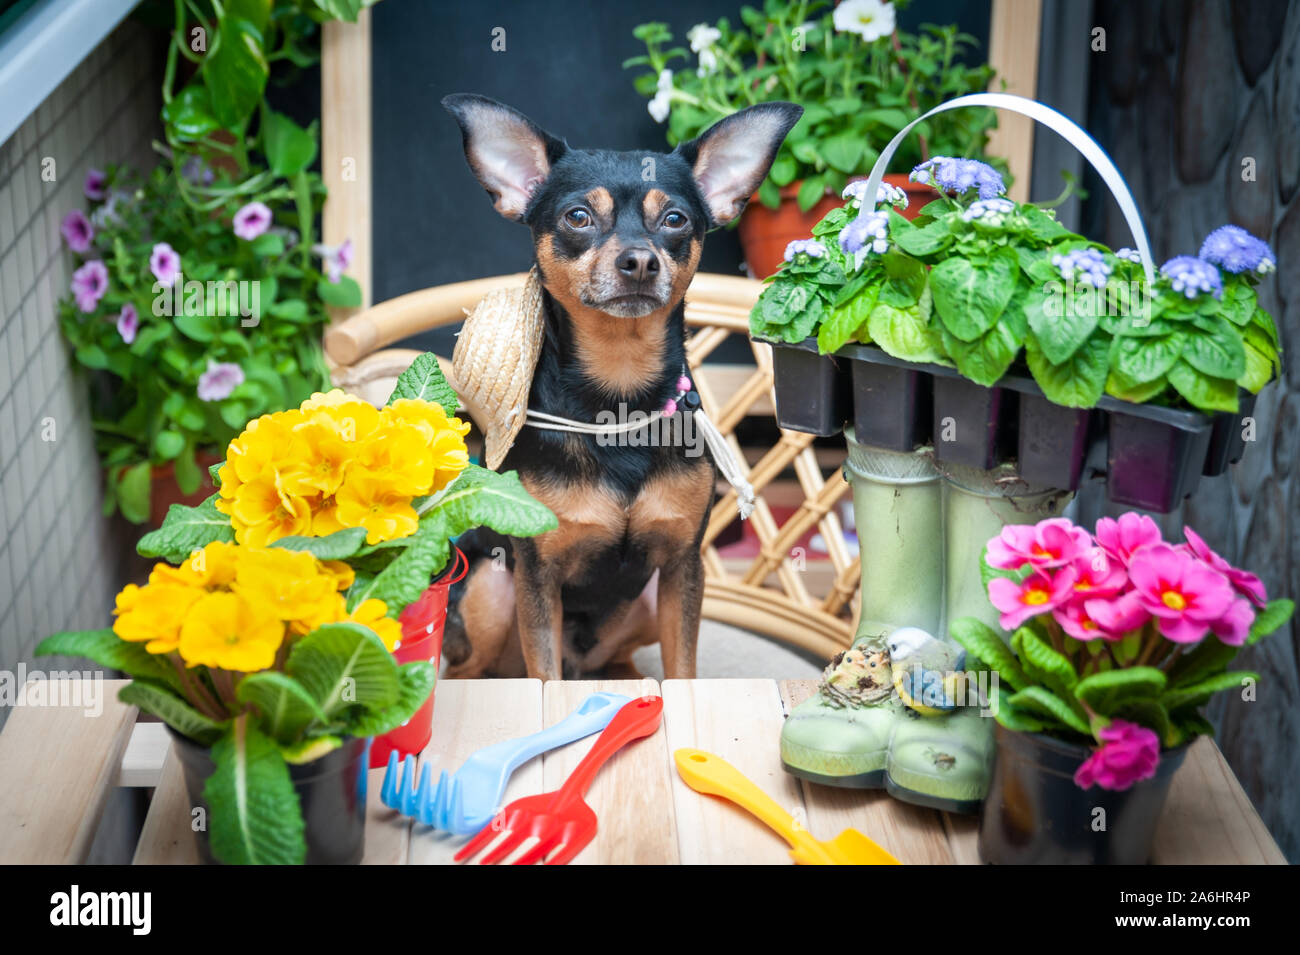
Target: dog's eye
x=674, y=220
x=578, y=218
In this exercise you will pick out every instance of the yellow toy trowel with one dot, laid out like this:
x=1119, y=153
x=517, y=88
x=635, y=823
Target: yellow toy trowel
x=714, y=776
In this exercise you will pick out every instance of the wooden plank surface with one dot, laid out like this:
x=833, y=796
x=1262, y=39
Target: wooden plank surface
x=168, y=837
x=631, y=794
x=1014, y=27
x=468, y=715
x=146, y=751
x=59, y=760
x=739, y=720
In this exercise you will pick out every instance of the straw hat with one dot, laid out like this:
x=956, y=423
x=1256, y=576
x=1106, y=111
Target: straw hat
x=493, y=362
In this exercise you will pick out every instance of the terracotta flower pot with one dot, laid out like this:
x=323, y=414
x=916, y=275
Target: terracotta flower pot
x=764, y=232
x=164, y=491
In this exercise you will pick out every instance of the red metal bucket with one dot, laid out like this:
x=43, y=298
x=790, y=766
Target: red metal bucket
x=422, y=625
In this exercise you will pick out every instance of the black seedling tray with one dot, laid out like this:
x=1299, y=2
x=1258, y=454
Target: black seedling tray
x=893, y=400
x=1052, y=440
x=813, y=394
x=1227, y=444
x=1154, y=455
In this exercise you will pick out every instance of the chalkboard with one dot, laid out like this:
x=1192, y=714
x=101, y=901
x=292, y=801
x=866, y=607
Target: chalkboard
x=561, y=66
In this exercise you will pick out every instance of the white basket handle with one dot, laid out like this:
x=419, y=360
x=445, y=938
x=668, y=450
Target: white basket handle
x=1074, y=134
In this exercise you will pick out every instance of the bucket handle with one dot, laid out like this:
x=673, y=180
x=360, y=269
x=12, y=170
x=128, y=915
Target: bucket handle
x=1068, y=129
x=459, y=568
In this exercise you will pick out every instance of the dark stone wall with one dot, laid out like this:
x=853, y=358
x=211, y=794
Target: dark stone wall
x=1184, y=97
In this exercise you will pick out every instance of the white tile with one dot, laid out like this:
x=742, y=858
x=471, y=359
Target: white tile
x=10, y=287
x=18, y=189
x=7, y=229
x=8, y=433
x=26, y=262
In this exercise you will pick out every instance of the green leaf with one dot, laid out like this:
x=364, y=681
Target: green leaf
x=188, y=475
x=1239, y=302
x=1045, y=664
x=344, y=665
x=987, y=358
x=268, y=244
x=1274, y=615
x=189, y=114
x=906, y=333
x=1042, y=224
x=479, y=497
x=167, y=444
x=111, y=652
x=1119, y=386
x=1260, y=361
x=172, y=710
x=1103, y=691
x=1148, y=713
x=345, y=293
x=185, y=530
x=843, y=151
x=1214, y=348
x=969, y=297
x=255, y=815
x=920, y=241
x=1061, y=323
x=1209, y=657
x=1147, y=359
x=415, y=683
x=1203, y=392
x=289, y=148
x=1078, y=383
x=845, y=321
x=1195, y=694
x=1040, y=700
x=337, y=546
x=235, y=72
x=134, y=489
x=981, y=641
x=425, y=381
x=285, y=705
x=810, y=192
x=201, y=328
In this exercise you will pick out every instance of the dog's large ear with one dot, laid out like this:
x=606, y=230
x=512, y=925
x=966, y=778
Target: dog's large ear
x=731, y=157
x=510, y=155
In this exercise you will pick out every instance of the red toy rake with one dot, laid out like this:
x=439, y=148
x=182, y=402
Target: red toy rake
x=562, y=821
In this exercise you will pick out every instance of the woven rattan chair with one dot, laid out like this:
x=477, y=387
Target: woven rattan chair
x=770, y=594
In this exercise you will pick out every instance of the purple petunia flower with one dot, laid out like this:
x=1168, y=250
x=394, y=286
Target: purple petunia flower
x=810, y=247
x=1192, y=276
x=1235, y=250
x=77, y=231
x=165, y=264
x=89, y=283
x=252, y=220
x=96, y=185
x=335, y=258
x=221, y=378
x=197, y=172
x=1089, y=266
x=128, y=323
x=959, y=175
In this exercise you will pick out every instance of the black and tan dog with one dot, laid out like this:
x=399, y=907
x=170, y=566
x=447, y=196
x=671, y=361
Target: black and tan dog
x=617, y=238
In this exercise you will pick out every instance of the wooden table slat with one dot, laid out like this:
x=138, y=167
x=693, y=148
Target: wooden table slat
x=58, y=764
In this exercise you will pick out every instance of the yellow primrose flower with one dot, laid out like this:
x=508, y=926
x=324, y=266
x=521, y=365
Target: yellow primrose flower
x=373, y=613
x=330, y=609
x=365, y=501
x=155, y=614
x=450, y=457
x=400, y=460
x=264, y=513
x=342, y=573
x=212, y=567
x=324, y=517
x=225, y=631
x=320, y=466
x=288, y=582
x=349, y=417
x=428, y=416
x=264, y=442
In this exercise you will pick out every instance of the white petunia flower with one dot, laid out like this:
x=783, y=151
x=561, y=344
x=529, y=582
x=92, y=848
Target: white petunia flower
x=869, y=19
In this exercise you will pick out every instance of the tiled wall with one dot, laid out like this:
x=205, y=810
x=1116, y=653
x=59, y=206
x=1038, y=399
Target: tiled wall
x=60, y=560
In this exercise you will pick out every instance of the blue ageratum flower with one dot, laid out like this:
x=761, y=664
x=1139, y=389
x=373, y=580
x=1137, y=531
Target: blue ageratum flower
x=1235, y=250
x=990, y=212
x=959, y=175
x=869, y=232
x=856, y=192
x=1192, y=276
x=809, y=247
x=1088, y=266
x=1129, y=255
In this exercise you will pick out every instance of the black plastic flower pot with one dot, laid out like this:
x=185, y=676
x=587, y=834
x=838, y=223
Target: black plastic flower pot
x=973, y=425
x=1036, y=814
x=812, y=390
x=892, y=399
x=1051, y=440
x=331, y=791
x=1155, y=455
x=1227, y=441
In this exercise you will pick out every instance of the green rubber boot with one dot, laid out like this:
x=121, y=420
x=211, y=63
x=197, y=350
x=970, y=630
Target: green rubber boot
x=840, y=736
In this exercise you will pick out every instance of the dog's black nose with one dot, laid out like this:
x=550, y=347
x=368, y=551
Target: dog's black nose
x=637, y=264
